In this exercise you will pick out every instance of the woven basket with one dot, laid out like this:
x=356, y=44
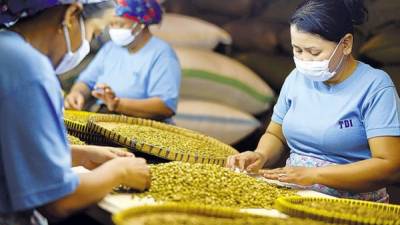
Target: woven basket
x=95, y=124
x=75, y=140
x=294, y=206
x=188, y=209
x=81, y=130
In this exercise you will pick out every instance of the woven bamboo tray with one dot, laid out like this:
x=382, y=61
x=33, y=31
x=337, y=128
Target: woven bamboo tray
x=76, y=124
x=75, y=140
x=295, y=206
x=98, y=124
x=141, y=212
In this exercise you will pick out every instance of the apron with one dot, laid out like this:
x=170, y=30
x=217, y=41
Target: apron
x=380, y=195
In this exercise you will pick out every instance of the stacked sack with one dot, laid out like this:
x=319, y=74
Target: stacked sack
x=219, y=95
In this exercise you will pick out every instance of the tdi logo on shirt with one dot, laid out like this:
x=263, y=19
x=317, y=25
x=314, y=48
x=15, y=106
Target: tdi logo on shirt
x=345, y=124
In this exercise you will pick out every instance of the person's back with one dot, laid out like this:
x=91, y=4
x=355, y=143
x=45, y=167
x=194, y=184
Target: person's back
x=29, y=131
x=35, y=158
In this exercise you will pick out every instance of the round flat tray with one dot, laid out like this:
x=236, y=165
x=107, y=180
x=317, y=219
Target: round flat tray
x=81, y=130
x=294, y=206
x=120, y=218
x=152, y=148
x=73, y=140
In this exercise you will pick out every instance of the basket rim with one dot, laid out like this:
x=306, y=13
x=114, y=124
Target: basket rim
x=152, y=149
x=75, y=125
x=290, y=205
x=186, y=208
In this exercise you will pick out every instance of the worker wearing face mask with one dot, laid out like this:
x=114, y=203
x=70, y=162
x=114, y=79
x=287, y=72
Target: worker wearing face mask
x=135, y=74
x=43, y=38
x=339, y=117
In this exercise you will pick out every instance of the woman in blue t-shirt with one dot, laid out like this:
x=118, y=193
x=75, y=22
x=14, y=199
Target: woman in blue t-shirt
x=339, y=117
x=135, y=74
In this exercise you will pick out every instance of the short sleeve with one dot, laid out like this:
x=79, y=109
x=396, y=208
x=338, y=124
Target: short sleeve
x=282, y=105
x=95, y=68
x=381, y=114
x=164, y=81
x=35, y=155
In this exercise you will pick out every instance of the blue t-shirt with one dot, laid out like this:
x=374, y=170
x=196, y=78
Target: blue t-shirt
x=334, y=123
x=153, y=71
x=35, y=159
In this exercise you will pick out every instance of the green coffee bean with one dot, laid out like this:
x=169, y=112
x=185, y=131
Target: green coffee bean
x=179, y=143
x=77, y=116
x=74, y=140
x=210, y=185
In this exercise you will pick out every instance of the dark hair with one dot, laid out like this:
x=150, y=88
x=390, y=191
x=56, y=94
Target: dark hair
x=331, y=19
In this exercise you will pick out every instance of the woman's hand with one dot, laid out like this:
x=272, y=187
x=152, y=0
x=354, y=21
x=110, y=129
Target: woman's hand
x=246, y=161
x=91, y=156
x=107, y=95
x=136, y=173
x=74, y=100
x=296, y=175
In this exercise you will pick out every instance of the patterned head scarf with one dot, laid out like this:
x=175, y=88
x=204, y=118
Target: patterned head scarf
x=142, y=11
x=13, y=10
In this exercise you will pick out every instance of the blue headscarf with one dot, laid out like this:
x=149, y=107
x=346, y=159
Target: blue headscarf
x=12, y=10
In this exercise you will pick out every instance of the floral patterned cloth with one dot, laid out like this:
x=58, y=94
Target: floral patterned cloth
x=308, y=161
x=142, y=11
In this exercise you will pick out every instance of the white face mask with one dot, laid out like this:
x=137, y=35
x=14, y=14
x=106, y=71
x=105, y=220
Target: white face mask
x=124, y=36
x=72, y=59
x=318, y=70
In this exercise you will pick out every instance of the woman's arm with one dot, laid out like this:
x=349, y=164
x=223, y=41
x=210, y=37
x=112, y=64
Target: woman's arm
x=152, y=108
x=272, y=144
x=132, y=172
x=367, y=175
x=270, y=148
x=92, y=156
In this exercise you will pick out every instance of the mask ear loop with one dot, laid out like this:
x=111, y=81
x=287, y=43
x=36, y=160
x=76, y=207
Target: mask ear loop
x=142, y=26
x=341, y=60
x=67, y=38
x=83, y=29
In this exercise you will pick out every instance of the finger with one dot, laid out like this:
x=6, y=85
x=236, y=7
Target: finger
x=73, y=104
x=253, y=167
x=148, y=182
x=122, y=153
x=108, y=90
x=273, y=171
x=80, y=101
x=271, y=176
x=241, y=163
x=107, y=155
x=230, y=162
x=66, y=104
x=97, y=94
x=287, y=179
x=100, y=86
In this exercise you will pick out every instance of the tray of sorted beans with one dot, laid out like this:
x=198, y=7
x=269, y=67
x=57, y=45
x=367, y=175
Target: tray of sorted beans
x=76, y=123
x=189, y=214
x=161, y=140
x=75, y=140
x=210, y=184
x=340, y=211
